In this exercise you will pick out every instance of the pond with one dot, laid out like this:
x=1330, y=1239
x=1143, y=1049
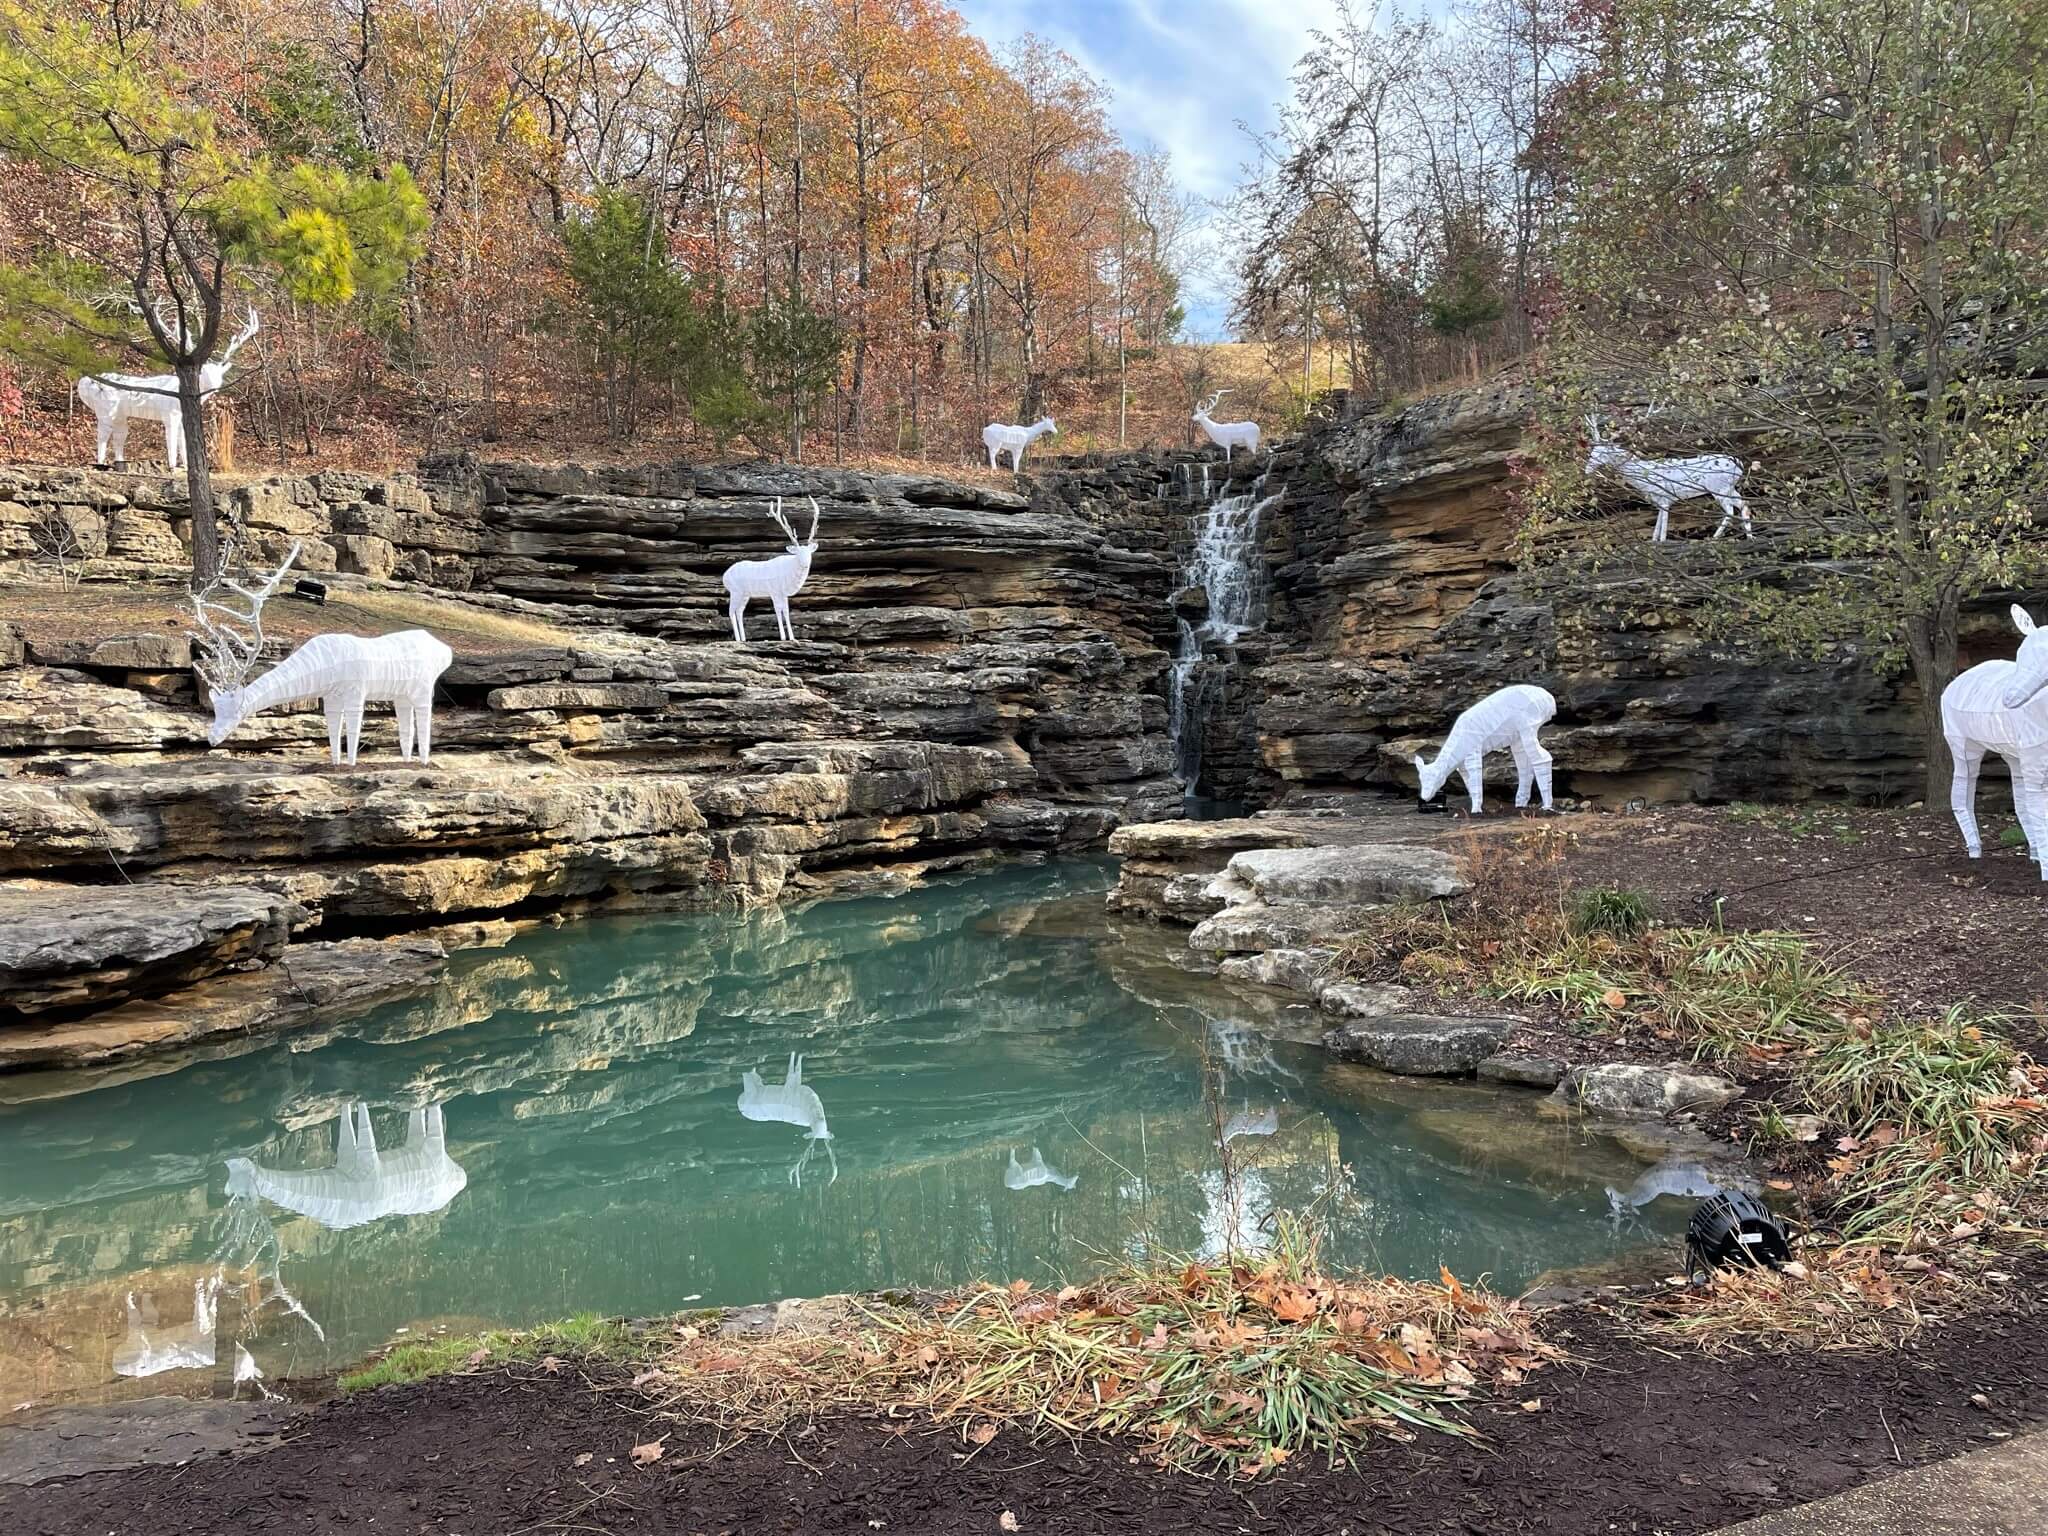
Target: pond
x=983, y=1078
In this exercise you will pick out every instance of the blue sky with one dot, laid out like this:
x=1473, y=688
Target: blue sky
x=1183, y=73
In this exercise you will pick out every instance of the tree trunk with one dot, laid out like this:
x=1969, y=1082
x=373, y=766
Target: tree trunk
x=198, y=478
x=1931, y=643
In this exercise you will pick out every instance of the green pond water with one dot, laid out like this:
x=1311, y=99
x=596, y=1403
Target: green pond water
x=1006, y=1085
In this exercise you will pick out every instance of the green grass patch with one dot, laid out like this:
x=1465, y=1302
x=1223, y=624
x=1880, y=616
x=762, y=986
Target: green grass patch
x=2013, y=837
x=583, y=1337
x=1623, y=914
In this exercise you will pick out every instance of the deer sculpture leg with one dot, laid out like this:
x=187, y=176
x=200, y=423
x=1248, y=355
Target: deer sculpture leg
x=403, y=709
x=736, y=610
x=1662, y=531
x=332, y=710
x=423, y=719
x=1539, y=766
x=1473, y=772
x=118, y=437
x=2030, y=798
x=1525, y=772
x=1733, y=506
x=991, y=457
x=1962, y=793
x=782, y=624
x=174, y=440
x=354, y=722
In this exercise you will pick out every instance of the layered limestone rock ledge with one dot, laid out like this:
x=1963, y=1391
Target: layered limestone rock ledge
x=979, y=672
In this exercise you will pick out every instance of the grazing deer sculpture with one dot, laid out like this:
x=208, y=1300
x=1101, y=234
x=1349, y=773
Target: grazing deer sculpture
x=1505, y=720
x=117, y=400
x=1663, y=483
x=344, y=672
x=364, y=1185
x=2002, y=707
x=997, y=438
x=778, y=579
x=1226, y=434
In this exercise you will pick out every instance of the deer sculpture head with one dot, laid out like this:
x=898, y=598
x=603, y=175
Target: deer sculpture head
x=2030, y=665
x=1602, y=455
x=1202, y=411
x=803, y=548
x=215, y=373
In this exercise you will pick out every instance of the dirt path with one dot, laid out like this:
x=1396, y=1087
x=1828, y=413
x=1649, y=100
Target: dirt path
x=1627, y=1439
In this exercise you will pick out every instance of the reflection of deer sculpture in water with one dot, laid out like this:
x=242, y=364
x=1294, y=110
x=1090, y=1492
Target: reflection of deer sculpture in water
x=1034, y=1173
x=149, y=1349
x=364, y=1185
x=788, y=1102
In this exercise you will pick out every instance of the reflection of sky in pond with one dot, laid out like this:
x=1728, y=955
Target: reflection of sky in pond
x=630, y=1115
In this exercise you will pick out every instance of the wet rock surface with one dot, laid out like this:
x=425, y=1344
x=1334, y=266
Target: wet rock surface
x=1621, y=1088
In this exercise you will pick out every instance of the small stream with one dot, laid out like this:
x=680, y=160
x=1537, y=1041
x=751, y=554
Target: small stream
x=980, y=1079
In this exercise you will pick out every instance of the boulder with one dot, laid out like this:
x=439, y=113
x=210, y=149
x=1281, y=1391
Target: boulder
x=1523, y=1071
x=1624, y=1088
x=1363, y=875
x=1383, y=1028
x=1287, y=970
x=1240, y=930
x=77, y=946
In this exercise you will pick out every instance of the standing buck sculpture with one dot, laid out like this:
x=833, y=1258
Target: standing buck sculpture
x=997, y=438
x=117, y=400
x=1663, y=483
x=1226, y=434
x=778, y=579
x=2002, y=707
x=1502, y=721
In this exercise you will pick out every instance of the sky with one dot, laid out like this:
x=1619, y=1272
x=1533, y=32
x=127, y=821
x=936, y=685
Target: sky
x=1183, y=74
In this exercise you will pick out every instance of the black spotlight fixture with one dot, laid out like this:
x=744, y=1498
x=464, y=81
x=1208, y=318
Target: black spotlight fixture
x=311, y=591
x=1731, y=1230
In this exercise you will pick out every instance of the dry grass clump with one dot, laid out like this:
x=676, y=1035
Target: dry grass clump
x=1232, y=1366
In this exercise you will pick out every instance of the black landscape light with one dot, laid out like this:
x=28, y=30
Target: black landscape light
x=311, y=591
x=1730, y=1230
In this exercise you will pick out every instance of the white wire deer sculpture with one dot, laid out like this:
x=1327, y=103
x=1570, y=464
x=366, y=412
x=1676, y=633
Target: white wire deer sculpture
x=344, y=672
x=998, y=438
x=2002, y=707
x=118, y=400
x=1226, y=435
x=1505, y=720
x=1663, y=483
x=778, y=579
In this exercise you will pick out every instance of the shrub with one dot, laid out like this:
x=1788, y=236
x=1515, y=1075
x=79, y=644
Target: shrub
x=1623, y=914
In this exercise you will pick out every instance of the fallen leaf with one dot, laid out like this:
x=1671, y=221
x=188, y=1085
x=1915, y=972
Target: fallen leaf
x=478, y=1357
x=1848, y=1144
x=1777, y=1183
x=927, y=1357
x=1007, y=1521
x=688, y=1333
x=551, y=1365
x=1614, y=997
x=1795, y=1269
x=1068, y=1293
x=1020, y=1287
x=981, y=1434
x=1294, y=1306
x=651, y=1374
x=647, y=1455
x=1532, y=1405
x=586, y=1458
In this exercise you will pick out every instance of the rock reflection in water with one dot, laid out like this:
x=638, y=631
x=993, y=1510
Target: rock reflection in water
x=149, y=1349
x=364, y=1185
x=1036, y=1172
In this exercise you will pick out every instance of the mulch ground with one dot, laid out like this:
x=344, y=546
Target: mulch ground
x=1629, y=1438
x=1890, y=894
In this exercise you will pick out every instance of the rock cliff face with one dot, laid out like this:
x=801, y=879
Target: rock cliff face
x=1395, y=603
x=978, y=671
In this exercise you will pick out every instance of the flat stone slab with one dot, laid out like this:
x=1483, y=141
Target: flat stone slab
x=1366, y=875
x=2001, y=1491
x=1244, y=930
x=147, y=1431
x=1523, y=1071
x=64, y=946
x=307, y=984
x=1619, y=1088
x=1382, y=1028
x=1185, y=841
x=1287, y=970
x=562, y=696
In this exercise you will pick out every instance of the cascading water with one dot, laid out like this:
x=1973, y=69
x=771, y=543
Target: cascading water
x=1225, y=563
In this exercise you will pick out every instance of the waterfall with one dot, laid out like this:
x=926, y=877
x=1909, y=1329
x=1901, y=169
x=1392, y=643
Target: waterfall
x=1224, y=561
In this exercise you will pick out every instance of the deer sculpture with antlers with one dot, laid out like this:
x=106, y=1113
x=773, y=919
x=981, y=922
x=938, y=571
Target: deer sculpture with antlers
x=778, y=579
x=118, y=400
x=1663, y=483
x=344, y=672
x=998, y=439
x=1226, y=434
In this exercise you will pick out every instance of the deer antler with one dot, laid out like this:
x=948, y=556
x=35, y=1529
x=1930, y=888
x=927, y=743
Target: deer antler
x=782, y=522
x=1593, y=426
x=229, y=653
x=812, y=537
x=249, y=328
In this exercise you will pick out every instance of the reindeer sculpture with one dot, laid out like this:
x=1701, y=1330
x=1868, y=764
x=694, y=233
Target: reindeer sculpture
x=1226, y=434
x=117, y=400
x=1036, y=1172
x=1502, y=721
x=148, y=1348
x=1663, y=483
x=778, y=579
x=997, y=438
x=364, y=1185
x=789, y=1102
x=2002, y=707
